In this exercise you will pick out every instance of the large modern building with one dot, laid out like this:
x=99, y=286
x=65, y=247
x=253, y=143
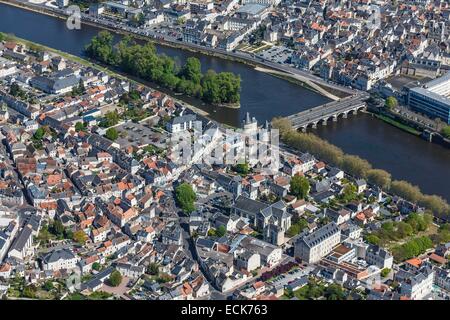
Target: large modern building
x=318, y=244
x=432, y=99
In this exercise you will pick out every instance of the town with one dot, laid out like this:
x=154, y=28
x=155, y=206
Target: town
x=389, y=49
x=95, y=205
x=382, y=46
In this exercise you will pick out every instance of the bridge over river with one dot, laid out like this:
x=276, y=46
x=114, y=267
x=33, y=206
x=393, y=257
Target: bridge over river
x=329, y=111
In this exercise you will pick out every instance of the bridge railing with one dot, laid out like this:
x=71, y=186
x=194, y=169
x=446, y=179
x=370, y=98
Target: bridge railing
x=324, y=106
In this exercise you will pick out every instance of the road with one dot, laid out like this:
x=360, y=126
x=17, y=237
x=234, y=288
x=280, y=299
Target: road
x=327, y=110
x=166, y=39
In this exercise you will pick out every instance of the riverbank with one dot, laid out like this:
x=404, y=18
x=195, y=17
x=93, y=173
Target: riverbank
x=398, y=124
x=107, y=70
x=410, y=127
x=284, y=76
x=265, y=97
x=358, y=167
x=229, y=56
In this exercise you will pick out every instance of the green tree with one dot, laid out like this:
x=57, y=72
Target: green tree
x=221, y=231
x=297, y=227
x=221, y=88
x=29, y=292
x=412, y=248
x=379, y=178
x=384, y=273
x=404, y=229
x=111, y=119
x=405, y=190
x=185, y=197
x=242, y=168
x=101, y=47
x=299, y=186
x=15, y=90
x=373, y=239
x=153, y=269
x=355, y=166
x=115, y=279
x=334, y=292
x=388, y=226
x=48, y=285
x=112, y=134
x=391, y=102
x=39, y=134
x=443, y=235
x=349, y=193
x=80, y=126
x=78, y=90
x=79, y=236
x=96, y=266
x=58, y=228
x=446, y=132
x=192, y=70
x=139, y=19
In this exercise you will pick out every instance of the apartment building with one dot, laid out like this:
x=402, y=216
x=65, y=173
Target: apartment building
x=318, y=244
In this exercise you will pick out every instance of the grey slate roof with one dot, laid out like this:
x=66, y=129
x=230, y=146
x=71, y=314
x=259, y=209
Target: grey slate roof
x=321, y=234
x=55, y=255
x=249, y=205
x=22, y=239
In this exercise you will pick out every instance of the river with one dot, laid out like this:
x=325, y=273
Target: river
x=264, y=97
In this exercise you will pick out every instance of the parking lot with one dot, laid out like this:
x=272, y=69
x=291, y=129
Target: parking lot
x=276, y=54
x=284, y=279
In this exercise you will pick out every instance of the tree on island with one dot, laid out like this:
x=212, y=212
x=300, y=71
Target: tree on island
x=144, y=62
x=101, y=47
x=192, y=70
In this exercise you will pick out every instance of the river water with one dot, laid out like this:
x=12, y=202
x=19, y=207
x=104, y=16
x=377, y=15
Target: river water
x=264, y=97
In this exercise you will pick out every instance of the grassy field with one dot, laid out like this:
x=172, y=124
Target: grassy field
x=432, y=230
